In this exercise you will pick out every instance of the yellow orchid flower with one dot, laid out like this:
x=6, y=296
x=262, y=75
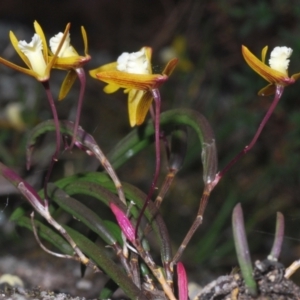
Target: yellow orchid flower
x=34, y=54
x=276, y=74
x=133, y=72
x=68, y=59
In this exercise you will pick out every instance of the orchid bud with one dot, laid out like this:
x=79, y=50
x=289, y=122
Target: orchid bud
x=123, y=222
x=182, y=282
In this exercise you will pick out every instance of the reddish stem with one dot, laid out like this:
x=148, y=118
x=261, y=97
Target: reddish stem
x=278, y=94
x=81, y=75
x=57, y=133
x=157, y=100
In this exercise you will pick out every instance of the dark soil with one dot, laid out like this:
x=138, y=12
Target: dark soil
x=46, y=277
x=270, y=280
x=21, y=294
x=43, y=280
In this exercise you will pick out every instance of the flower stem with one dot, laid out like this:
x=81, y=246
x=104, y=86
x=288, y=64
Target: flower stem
x=57, y=133
x=278, y=94
x=81, y=75
x=157, y=100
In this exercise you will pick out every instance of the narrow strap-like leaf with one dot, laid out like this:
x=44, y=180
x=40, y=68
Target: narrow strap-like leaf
x=81, y=212
x=82, y=140
x=278, y=239
x=48, y=234
x=98, y=254
x=101, y=187
x=142, y=136
x=242, y=249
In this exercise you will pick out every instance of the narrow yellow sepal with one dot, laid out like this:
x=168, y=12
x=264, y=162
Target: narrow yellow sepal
x=267, y=90
x=134, y=97
x=262, y=69
x=40, y=32
x=67, y=84
x=169, y=68
x=14, y=42
x=148, y=53
x=111, y=88
x=66, y=63
x=143, y=107
x=132, y=81
x=85, y=40
x=104, y=68
x=296, y=76
x=139, y=103
x=18, y=68
x=263, y=54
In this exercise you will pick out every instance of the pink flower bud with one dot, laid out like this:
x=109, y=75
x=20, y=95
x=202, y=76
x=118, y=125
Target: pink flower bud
x=182, y=282
x=123, y=222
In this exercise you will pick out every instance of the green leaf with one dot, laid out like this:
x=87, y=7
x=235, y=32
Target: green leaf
x=242, y=249
x=89, y=185
x=278, y=239
x=108, y=290
x=142, y=136
x=81, y=212
x=115, y=230
x=17, y=214
x=48, y=234
x=98, y=254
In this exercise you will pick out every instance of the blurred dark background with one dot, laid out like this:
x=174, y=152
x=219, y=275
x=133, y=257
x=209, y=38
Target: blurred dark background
x=212, y=78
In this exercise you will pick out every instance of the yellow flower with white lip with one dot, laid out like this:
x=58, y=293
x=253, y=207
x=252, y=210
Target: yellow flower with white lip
x=277, y=73
x=34, y=54
x=133, y=72
x=135, y=63
x=68, y=59
x=279, y=59
x=66, y=49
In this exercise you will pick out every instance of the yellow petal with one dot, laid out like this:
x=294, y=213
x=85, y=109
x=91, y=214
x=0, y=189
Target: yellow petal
x=169, y=68
x=139, y=103
x=54, y=57
x=262, y=69
x=15, y=42
x=143, y=107
x=132, y=81
x=111, y=88
x=107, y=67
x=67, y=84
x=148, y=53
x=296, y=76
x=73, y=62
x=39, y=31
x=85, y=41
x=267, y=90
x=263, y=54
x=134, y=97
x=18, y=68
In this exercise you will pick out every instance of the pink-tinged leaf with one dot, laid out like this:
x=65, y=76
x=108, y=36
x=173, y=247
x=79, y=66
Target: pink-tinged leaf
x=182, y=282
x=123, y=222
x=27, y=190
